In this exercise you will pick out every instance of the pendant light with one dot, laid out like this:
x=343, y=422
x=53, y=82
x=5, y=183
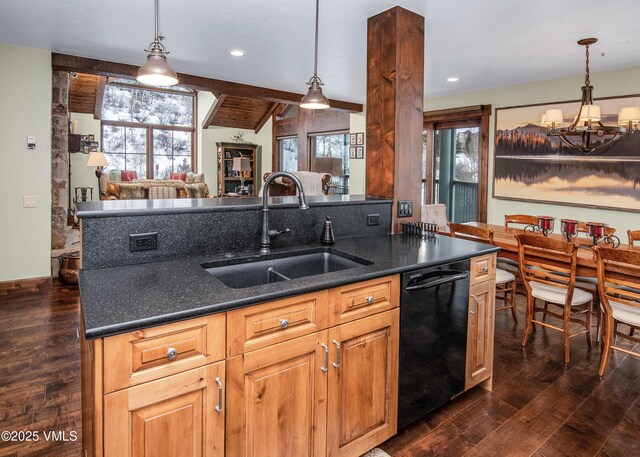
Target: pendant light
x=157, y=72
x=315, y=99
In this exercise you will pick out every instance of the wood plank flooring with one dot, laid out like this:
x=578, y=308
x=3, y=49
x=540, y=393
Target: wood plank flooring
x=539, y=406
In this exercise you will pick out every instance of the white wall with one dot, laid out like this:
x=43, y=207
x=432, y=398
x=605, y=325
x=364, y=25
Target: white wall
x=611, y=83
x=81, y=175
x=357, y=167
x=25, y=110
x=265, y=163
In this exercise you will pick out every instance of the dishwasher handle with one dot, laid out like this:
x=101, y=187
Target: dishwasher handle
x=443, y=277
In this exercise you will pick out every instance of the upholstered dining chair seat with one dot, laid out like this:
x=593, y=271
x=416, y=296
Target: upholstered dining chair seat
x=558, y=294
x=503, y=276
x=625, y=313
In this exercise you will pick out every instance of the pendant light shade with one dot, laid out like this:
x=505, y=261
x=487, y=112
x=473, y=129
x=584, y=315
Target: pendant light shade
x=315, y=99
x=157, y=71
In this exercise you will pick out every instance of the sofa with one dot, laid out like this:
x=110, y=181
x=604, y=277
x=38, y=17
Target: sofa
x=193, y=186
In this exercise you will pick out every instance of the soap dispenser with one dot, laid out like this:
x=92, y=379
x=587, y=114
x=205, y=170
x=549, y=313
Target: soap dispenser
x=327, y=233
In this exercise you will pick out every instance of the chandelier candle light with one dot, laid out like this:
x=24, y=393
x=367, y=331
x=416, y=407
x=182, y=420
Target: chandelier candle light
x=569, y=228
x=157, y=71
x=315, y=99
x=588, y=125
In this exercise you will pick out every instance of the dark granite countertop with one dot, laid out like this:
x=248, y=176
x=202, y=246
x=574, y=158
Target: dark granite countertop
x=121, y=299
x=114, y=208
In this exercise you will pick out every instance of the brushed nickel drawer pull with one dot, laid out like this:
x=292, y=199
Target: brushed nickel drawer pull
x=337, y=362
x=172, y=353
x=370, y=300
x=219, y=407
x=325, y=368
x=284, y=323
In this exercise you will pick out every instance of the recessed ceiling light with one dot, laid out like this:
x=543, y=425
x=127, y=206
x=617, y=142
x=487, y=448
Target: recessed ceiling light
x=453, y=79
x=236, y=52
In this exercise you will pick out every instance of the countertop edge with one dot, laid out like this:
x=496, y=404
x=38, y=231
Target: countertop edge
x=115, y=329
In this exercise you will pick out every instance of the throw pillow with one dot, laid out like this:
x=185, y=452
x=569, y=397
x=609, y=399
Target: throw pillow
x=180, y=176
x=114, y=175
x=128, y=175
x=194, y=177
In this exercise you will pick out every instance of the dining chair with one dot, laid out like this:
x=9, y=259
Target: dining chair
x=520, y=219
x=634, y=235
x=505, y=281
x=548, y=270
x=619, y=287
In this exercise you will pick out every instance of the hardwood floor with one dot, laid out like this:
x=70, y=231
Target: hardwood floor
x=539, y=406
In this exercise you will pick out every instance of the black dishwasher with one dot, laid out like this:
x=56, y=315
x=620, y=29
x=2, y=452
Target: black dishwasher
x=433, y=338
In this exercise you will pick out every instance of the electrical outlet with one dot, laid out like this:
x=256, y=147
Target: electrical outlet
x=373, y=219
x=143, y=242
x=405, y=208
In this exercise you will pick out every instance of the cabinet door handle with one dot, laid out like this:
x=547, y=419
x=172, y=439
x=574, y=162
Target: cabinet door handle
x=284, y=323
x=172, y=353
x=337, y=362
x=485, y=269
x=475, y=304
x=325, y=368
x=370, y=300
x=219, y=407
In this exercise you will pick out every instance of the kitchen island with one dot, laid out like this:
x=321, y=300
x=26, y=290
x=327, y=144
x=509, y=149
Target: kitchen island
x=175, y=362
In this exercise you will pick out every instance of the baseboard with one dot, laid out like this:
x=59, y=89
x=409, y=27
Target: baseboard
x=30, y=284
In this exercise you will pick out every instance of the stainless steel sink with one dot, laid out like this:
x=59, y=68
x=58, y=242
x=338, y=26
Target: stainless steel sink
x=254, y=271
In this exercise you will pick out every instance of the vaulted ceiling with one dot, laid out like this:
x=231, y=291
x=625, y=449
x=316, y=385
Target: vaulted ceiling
x=486, y=43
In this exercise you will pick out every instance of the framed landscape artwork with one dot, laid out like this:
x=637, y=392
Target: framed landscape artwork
x=530, y=166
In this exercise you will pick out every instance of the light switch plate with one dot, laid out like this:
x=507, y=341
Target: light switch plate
x=30, y=201
x=31, y=142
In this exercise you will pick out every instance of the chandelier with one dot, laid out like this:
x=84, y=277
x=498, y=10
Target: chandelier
x=587, y=132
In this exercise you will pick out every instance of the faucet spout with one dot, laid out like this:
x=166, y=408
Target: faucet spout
x=265, y=238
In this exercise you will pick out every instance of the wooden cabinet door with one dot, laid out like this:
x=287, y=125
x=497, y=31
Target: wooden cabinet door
x=277, y=400
x=177, y=416
x=363, y=384
x=480, y=330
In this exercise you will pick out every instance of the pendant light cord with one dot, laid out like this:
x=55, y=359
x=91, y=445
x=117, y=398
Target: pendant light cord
x=315, y=62
x=587, y=82
x=155, y=15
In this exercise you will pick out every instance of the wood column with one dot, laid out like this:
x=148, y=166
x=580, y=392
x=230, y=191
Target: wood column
x=395, y=97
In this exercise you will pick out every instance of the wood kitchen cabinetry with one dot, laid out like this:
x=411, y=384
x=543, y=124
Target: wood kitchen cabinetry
x=481, y=320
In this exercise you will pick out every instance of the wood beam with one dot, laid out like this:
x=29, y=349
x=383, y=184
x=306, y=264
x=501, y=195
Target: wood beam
x=395, y=97
x=64, y=62
x=97, y=111
x=208, y=119
x=267, y=115
x=284, y=110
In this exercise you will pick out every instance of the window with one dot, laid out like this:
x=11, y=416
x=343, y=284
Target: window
x=288, y=154
x=330, y=154
x=148, y=130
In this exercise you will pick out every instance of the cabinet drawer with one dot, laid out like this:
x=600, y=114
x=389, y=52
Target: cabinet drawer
x=144, y=355
x=483, y=268
x=362, y=299
x=259, y=326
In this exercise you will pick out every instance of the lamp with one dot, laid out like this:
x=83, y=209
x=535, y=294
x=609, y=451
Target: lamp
x=315, y=99
x=157, y=71
x=629, y=117
x=241, y=164
x=98, y=160
x=587, y=123
x=330, y=165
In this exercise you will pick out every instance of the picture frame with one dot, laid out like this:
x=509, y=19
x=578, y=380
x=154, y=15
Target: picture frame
x=360, y=152
x=352, y=138
x=360, y=138
x=352, y=151
x=85, y=149
x=530, y=166
x=91, y=137
x=84, y=138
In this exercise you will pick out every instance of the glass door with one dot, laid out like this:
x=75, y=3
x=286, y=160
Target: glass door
x=455, y=169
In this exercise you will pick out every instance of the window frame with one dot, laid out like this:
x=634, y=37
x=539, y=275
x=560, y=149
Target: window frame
x=151, y=127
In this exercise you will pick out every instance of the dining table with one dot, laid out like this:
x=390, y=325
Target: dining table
x=505, y=238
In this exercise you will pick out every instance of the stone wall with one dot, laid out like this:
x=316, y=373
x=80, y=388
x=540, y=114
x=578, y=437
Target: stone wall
x=59, y=158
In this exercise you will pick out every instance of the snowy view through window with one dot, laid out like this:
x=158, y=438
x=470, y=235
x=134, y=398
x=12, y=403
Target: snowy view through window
x=142, y=126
